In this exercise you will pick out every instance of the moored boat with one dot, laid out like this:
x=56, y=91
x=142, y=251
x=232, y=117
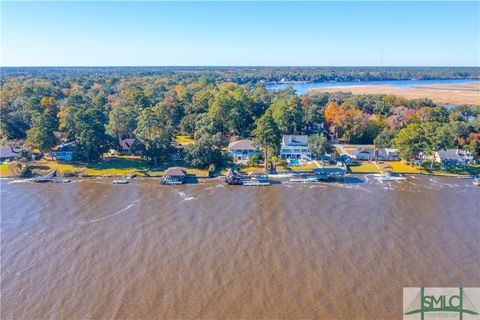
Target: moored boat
x=120, y=181
x=253, y=179
x=305, y=178
x=387, y=176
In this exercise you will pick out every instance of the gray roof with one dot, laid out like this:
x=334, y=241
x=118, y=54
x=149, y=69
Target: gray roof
x=293, y=139
x=8, y=152
x=242, y=145
x=176, y=171
x=366, y=151
x=454, y=154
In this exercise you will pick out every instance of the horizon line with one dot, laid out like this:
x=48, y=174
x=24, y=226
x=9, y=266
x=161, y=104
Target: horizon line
x=238, y=66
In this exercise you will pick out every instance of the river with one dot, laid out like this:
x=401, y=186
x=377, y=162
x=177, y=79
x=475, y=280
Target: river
x=302, y=88
x=93, y=250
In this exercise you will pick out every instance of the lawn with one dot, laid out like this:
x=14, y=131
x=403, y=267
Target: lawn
x=363, y=167
x=110, y=166
x=452, y=170
x=4, y=170
x=400, y=167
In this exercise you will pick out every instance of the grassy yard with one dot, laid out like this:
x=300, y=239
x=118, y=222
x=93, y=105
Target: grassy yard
x=110, y=166
x=400, y=167
x=452, y=170
x=363, y=167
x=4, y=170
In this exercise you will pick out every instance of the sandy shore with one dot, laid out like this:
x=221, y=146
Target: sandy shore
x=458, y=94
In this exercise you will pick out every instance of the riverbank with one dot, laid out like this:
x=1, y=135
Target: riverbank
x=457, y=94
x=122, y=166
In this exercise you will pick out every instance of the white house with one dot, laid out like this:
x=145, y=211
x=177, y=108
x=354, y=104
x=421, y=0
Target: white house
x=363, y=154
x=242, y=150
x=295, y=147
x=453, y=156
x=387, y=154
x=383, y=154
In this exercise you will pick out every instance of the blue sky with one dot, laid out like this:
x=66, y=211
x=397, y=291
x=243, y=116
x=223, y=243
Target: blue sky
x=233, y=33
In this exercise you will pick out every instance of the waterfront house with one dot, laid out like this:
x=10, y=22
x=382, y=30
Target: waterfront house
x=242, y=150
x=126, y=145
x=65, y=152
x=295, y=147
x=387, y=154
x=382, y=154
x=7, y=153
x=363, y=154
x=453, y=156
x=174, y=175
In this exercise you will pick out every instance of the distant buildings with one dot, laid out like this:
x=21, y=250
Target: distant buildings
x=242, y=150
x=295, y=147
x=453, y=156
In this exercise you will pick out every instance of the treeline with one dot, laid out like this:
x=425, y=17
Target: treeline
x=243, y=75
x=96, y=110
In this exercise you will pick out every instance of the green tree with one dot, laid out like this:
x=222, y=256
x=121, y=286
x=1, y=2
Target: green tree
x=155, y=138
x=267, y=135
x=122, y=121
x=288, y=114
x=385, y=139
x=205, y=152
x=91, y=137
x=41, y=134
x=410, y=141
x=319, y=144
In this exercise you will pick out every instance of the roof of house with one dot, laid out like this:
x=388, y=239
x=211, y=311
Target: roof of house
x=176, y=171
x=363, y=150
x=7, y=152
x=292, y=139
x=454, y=154
x=66, y=147
x=387, y=151
x=126, y=143
x=242, y=145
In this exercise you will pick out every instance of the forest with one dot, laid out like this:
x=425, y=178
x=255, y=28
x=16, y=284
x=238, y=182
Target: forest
x=98, y=107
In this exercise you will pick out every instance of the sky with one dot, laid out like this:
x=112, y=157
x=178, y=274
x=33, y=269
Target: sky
x=240, y=33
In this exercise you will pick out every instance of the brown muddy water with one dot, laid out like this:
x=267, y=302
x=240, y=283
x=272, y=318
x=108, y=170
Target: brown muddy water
x=93, y=250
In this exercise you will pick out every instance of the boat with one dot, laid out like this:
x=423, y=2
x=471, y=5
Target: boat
x=121, y=181
x=256, y=179
x=387, y=176
x=304, y=178
x=476, y=182
x=253, y=179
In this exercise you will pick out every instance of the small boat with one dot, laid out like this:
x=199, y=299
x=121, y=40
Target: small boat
x=256, y=179
x=253, y=179
x=304, y=178
x=476, y=182
x=387, y=176
x=119, y=181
